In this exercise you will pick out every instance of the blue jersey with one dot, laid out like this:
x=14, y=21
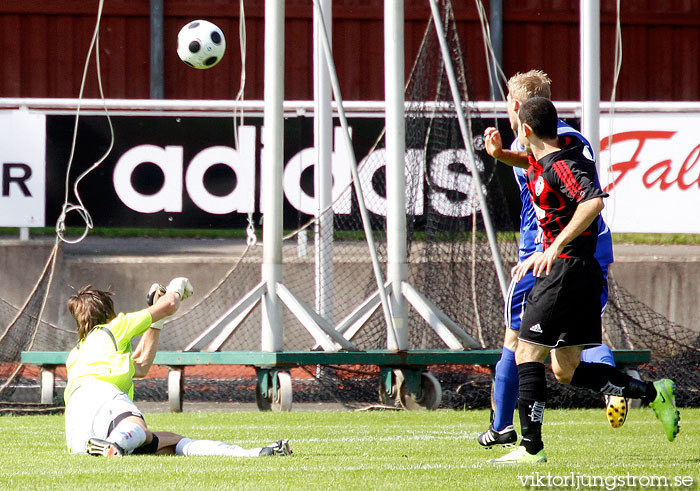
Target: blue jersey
x=530, y=232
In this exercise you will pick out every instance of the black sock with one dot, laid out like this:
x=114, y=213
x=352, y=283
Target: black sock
x=531, y=404
x=607, y=379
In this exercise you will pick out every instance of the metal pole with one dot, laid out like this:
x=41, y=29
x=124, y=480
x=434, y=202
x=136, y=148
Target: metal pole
x=157, y=84
x=464, y=128
x=590, y=72
x=496, y=24
x=397, y=270
x=323, y=175
x=272, y=167
x=367, y=226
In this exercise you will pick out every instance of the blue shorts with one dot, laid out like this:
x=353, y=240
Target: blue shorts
x=517, y=298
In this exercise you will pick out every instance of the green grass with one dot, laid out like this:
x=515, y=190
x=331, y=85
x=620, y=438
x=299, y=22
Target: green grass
x=348, y=450
x=657, y=239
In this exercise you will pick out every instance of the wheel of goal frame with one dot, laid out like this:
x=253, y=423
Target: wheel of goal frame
x=389, y=395
x=282, y=400
x=275, y=400
x=430, y=397
x=176, y=387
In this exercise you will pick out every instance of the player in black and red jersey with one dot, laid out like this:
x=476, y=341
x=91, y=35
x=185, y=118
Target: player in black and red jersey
x=563, y=309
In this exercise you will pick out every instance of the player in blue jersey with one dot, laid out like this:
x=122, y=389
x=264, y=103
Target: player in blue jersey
x=563, y=308
x=521, y=87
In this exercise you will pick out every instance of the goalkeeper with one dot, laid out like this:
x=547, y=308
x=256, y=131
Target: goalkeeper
x=101, y=417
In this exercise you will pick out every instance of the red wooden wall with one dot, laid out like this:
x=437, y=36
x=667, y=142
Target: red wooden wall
x=44, y=44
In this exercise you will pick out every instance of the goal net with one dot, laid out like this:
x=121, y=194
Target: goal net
x=449, y=262
x=448, y=255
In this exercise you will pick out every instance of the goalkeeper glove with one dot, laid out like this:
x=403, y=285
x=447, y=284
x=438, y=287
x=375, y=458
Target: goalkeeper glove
x=154, y=293
x=182, y=286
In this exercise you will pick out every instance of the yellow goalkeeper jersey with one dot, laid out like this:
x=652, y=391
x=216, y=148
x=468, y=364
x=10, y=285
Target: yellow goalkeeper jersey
x=105, y=354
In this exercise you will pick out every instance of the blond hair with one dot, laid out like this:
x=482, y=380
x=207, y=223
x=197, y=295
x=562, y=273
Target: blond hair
x=91, y=307
x=534, y=83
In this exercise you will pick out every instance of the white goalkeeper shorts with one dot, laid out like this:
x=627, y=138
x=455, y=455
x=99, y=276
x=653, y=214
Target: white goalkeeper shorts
x=90, y=411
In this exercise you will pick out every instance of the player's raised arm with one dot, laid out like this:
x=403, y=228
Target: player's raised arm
x=165, y=302
x=494, y=147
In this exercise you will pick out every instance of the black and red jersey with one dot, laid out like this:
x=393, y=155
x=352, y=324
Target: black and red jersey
x=558, y=182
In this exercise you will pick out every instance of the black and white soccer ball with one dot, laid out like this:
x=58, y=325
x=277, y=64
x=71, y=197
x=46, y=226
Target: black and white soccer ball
x=201, y=44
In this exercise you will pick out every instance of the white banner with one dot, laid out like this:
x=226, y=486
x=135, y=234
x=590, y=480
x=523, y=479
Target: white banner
x=22, y=169
x=652, y=172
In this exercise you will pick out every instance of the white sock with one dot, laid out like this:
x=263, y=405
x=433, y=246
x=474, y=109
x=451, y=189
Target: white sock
x=128, y=436
x=190, y=447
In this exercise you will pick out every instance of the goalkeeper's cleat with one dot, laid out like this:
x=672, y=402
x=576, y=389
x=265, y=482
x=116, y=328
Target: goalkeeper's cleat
x=280, y=448
x=616, y=410
x=521, y=456
x=506, y=437
x=664, y=407
x=103, y=448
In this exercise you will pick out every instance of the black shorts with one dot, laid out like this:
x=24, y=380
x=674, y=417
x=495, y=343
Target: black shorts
x=563, y=308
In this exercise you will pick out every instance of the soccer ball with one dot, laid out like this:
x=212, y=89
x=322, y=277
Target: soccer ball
x=201, y=44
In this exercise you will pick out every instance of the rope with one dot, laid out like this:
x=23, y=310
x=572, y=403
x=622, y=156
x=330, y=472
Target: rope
x=238, y=112
x=80, y=207
x=238, y=120
x=67, y=207
x=610, y=212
